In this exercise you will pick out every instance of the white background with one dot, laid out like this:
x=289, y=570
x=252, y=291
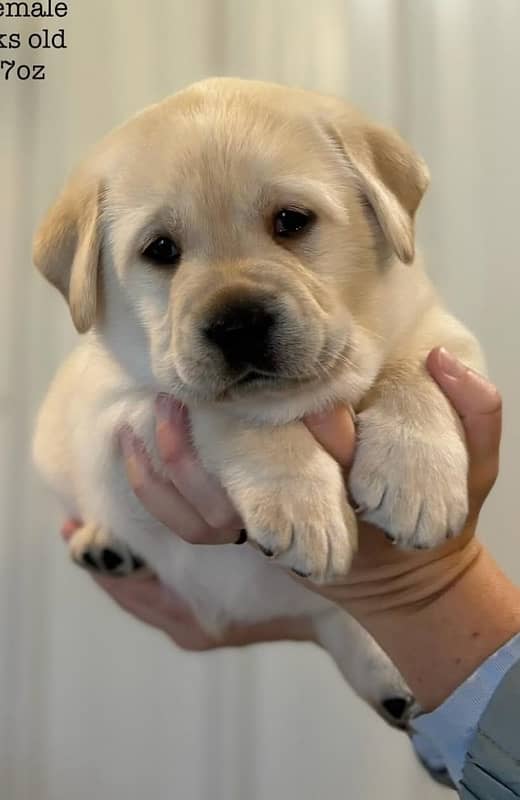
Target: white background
x=93, y=705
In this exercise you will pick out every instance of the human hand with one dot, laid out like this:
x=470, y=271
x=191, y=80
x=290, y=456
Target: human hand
x=438, y=613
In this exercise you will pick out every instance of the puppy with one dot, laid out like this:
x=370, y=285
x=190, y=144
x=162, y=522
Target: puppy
x=249, y=248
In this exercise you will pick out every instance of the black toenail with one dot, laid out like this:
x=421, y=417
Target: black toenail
x=266, y=551
x=111, y=560
x=242, y=537
x=389, y=537
x=301, y=574
x=395, y=706
x=137, y=563
x=89, y=561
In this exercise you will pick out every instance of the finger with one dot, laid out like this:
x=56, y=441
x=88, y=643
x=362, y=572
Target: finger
x=136, y=586
x=159, y=606
x=200, y=489
x=479, y=406
x=163, y=500
x=335, y=431
x=475, y=399
x=69, y=528
x=143, y=597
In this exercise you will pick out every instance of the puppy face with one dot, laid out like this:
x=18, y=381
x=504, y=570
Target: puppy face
x=240, y=231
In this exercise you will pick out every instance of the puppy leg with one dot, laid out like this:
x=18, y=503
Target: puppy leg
x=92, y=547
x=410, y=471
x=366, y=667
x=288, y=491
x=409, y=475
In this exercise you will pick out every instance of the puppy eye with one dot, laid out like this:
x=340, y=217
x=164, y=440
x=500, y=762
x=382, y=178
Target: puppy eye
x=162, y=251
x=289, y=222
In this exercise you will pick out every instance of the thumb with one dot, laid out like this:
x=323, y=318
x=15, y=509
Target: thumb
x=479, y=406
x=336, y=433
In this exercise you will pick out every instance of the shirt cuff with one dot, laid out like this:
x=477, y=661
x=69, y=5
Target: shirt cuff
x=452, y=726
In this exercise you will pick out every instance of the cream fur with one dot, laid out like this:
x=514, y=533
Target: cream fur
x=356, y=320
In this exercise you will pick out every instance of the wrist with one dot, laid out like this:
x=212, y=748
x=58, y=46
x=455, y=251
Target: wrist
x=438, y=638
x=390, y=583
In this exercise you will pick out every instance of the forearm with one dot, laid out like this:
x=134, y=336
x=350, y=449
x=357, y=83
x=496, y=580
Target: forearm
x=437, y=642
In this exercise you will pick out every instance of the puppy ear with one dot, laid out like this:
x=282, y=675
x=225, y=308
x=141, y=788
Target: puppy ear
x=391, y=177
x=67, y=249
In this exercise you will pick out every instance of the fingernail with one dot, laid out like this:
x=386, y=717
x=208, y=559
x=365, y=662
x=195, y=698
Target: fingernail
x=168, y=408
x=451, y=365
x=242, y=538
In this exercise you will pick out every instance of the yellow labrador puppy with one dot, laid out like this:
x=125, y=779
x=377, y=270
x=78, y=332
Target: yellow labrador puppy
x=249, y=248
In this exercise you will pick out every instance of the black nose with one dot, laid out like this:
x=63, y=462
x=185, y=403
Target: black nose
x=242, y=331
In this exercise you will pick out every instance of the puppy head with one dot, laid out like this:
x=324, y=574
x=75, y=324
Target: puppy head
x=237, y=230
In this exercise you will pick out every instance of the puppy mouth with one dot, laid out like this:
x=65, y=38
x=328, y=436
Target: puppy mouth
x=254, y=379
x=256, y=382
x=252, y=376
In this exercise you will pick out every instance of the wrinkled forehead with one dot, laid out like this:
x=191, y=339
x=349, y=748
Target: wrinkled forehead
x=228, y=157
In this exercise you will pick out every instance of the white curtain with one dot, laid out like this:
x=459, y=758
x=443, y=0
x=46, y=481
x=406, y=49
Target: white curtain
x=93, y=705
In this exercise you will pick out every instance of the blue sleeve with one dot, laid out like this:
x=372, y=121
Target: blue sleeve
x=447, y=732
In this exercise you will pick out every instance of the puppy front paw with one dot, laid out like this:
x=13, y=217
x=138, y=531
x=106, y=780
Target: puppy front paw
x=305, y=523
x=410, y=479
x=93, y=548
